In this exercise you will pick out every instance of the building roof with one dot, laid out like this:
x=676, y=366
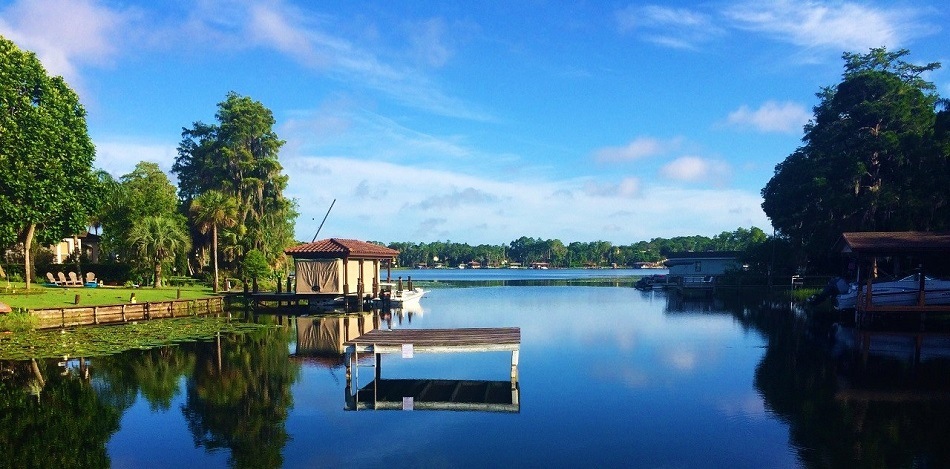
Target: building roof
x=683, y=258
x=894, y=242
x=334, y=248
x=704, y=255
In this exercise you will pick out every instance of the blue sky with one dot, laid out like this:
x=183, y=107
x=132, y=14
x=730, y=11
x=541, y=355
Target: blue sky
x=481, y=122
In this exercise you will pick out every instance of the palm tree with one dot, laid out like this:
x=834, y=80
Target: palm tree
x=211, y=210
x=158, y=239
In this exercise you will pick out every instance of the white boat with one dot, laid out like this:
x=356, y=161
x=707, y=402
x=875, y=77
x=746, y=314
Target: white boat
x=901, y=292
x=391, y=293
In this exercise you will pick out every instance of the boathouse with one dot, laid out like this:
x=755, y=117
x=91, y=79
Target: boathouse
x=700, y=269
x=340, y=267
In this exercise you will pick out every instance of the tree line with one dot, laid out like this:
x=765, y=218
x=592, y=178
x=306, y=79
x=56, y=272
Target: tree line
x=555, y=253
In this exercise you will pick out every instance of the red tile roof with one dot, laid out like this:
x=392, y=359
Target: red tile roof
x=341, y=248
x=895, y=242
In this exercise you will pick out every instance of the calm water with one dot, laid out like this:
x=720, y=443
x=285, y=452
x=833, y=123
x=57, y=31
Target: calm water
x=608, y=377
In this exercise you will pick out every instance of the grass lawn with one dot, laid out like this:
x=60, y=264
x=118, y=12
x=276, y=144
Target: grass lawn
x=41, y=296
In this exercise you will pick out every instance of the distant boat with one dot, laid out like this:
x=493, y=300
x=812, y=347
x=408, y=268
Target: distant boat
x=901, y=292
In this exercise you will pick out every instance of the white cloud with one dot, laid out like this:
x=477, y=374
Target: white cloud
x=289, y=32
x=681, y=359
x=640, y=147
x=454, y=199
x=837, y=26
x=65, y=33
x=494, y=211
x=787, y=117
x=695, y=169
x=119, y=157
x=679, y=28
x=341, y=124
x=430, y=43
x=269, y=26
x=627, y=188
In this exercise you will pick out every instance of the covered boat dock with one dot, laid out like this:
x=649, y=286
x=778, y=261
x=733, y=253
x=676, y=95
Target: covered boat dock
x=925, y=251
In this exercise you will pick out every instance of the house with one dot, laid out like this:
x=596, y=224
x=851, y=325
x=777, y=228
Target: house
x=340, y=267
x=700, y=269
x=86, y=243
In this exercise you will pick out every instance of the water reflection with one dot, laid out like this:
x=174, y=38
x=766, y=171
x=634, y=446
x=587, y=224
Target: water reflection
x=233, y=393
x=325, y=334
x=854, y=406
x=616, y=377
x=322, y=338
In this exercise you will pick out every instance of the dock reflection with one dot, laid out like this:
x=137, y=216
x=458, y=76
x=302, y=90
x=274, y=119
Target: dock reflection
x=437, y=394
x=322, y=339
x=891, y=366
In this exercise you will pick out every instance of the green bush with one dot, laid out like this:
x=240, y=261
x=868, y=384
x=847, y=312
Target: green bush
x=19, y=320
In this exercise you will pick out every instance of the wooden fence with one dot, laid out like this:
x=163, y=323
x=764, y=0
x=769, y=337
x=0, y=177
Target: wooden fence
x=50, y=318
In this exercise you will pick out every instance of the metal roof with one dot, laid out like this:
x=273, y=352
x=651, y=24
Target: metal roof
x=333, y=248
x=894, y=242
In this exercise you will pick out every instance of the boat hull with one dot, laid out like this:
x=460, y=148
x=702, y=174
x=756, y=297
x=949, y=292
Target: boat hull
x=903, y=292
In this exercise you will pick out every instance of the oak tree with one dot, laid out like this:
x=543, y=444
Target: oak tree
x=869, y=161
x=47, y=186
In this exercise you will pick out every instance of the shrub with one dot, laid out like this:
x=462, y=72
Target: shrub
x=20, y=320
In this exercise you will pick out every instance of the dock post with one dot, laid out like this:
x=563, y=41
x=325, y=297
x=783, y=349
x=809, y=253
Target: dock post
x=379, y=361
x=514, y=364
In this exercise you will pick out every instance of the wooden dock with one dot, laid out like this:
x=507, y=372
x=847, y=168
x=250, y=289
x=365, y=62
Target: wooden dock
x=410, y=341
x=488, y=339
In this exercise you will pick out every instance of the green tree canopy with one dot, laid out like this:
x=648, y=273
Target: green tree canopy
x=238, y=156
x=144, y=192
x=869, y=161
x=211, y=210
x=47, y=187
x=255, y=266
x=158, y=239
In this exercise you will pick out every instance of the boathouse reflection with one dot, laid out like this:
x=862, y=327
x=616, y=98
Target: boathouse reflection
x=325, y=334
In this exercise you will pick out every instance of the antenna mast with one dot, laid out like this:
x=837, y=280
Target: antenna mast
x=324, y=221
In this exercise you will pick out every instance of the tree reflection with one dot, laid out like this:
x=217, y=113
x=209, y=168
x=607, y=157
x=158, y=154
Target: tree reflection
x=52, y=418
x=156, y=373
x=239, y=396
x=900, y=416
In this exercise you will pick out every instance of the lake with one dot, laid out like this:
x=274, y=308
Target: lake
x=608, y=376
